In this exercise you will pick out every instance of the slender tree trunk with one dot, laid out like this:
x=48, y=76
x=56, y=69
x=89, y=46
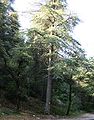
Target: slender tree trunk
x=49, y=81
x=18, y=104
x=18, y=95
x=50, y=60
x=70, y=99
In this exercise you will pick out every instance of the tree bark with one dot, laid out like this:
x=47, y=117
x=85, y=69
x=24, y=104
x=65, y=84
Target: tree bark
x=18, y=94
x=49, y=81
x=70, y=99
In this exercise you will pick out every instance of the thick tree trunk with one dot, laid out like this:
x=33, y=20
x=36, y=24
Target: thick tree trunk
x=70, y=100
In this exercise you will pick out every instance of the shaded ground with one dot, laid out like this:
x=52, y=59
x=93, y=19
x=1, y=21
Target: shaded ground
x=87, y=116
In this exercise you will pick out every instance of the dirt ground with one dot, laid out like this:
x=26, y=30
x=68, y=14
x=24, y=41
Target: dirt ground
x=86, y=116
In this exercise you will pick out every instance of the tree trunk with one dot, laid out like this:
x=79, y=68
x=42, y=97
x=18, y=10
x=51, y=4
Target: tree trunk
x=49, y=81
x=70, y=99
x=50, y=60
x=18, y=95
x=18, y=104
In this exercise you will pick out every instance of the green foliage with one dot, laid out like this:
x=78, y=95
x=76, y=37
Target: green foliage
x=7, y=111
x=24, y=61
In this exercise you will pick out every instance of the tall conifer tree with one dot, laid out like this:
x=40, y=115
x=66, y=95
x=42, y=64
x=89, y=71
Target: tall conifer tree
x=51, y=26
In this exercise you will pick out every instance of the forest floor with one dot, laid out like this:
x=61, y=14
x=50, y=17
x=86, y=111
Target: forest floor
x=87, y=116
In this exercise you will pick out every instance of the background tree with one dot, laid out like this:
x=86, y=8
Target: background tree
x=11, y=57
